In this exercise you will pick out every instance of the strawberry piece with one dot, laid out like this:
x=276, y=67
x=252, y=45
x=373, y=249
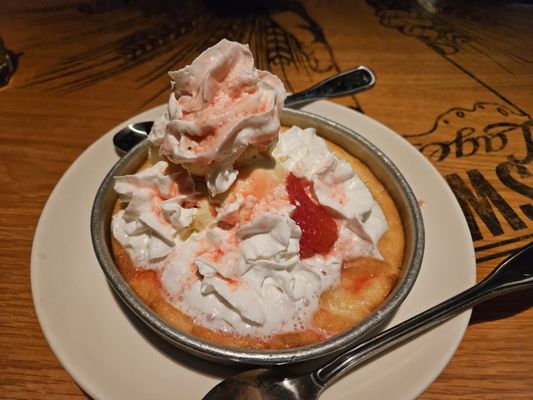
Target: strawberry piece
x=319, y=229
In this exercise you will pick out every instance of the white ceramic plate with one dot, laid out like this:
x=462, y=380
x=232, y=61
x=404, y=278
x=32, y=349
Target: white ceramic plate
x=111, y=355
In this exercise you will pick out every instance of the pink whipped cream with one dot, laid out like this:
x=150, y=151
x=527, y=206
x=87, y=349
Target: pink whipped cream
x=220, y=105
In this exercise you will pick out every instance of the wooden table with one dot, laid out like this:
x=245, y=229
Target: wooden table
x=455, y=80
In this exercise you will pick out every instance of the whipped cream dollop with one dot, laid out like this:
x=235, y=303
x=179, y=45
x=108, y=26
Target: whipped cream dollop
x=251, y=280
x=155, y=214
x=243, y=274
x=220, y=105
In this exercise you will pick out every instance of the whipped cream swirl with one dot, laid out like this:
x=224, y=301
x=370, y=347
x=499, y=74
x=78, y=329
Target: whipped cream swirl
x=220, y=105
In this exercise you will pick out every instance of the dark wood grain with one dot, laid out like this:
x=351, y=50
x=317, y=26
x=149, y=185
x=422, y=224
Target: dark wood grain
x=444, y=70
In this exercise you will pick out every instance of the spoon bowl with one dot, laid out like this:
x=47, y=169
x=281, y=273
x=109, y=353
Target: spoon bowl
x=127, y=138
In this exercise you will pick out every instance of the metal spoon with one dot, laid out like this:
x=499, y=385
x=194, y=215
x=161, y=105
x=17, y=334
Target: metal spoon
x=352, y=81
x=515, y=273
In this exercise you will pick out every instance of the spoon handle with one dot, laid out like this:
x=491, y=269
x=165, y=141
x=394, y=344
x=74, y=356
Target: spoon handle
x=348, y=82
x=515, y=273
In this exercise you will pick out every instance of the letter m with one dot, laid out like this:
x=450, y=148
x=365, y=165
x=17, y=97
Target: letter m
x=481, y=201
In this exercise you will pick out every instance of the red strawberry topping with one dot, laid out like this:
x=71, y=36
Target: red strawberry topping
x=319, y=229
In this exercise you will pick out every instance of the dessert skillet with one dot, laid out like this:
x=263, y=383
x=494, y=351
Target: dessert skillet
x=243, y=244
x=382, y=168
